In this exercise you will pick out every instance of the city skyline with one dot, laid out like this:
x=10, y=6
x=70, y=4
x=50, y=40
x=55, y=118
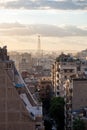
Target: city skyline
x=62, y=24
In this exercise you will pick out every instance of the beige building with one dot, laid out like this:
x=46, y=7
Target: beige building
x=75, y=99
x=79, y=98
x=26, y=62
x=18, y=109
x=66, y=67
x=45, y=88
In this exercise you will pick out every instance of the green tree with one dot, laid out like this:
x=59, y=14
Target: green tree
x=57, y=111
x=78, y=124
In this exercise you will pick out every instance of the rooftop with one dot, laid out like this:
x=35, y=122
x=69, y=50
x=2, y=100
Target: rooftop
x=3, y=53
x=64, y=58
x=68, y=58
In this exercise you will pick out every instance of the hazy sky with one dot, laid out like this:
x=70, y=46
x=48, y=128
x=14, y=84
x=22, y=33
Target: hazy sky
x=62, y=24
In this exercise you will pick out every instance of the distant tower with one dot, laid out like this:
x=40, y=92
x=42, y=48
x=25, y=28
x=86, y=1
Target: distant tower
x=39, y=45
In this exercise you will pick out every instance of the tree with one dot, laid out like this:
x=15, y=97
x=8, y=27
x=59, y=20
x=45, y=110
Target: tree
x=46, y=98
x=78, y=124
x=57, y=111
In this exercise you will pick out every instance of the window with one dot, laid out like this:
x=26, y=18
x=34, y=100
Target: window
x=58, y=93
x=71, y=70
x=58, y=87
x=8, y=65
x=85, y=69
x=65, y=77
x=58, y=75
x=65, y=70
x=78, y=68
x=57, y=81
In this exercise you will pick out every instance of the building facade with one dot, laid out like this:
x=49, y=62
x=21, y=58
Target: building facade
x=18, y=108
x=26, y=62
x=66, y=67
x=75, y=101
x=45, y=88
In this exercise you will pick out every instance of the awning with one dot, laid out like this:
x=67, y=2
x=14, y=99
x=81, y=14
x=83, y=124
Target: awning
x=19, y=85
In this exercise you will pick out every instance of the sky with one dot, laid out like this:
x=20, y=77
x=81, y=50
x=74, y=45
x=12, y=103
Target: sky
x=61, y=24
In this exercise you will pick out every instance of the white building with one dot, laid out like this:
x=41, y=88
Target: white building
x=66, y=67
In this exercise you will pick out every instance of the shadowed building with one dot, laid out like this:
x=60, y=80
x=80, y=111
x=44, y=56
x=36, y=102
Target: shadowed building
x=18, y=108
x=45, y=88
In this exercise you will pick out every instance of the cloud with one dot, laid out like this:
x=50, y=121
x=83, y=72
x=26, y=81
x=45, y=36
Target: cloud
x=16, y=29
x=46, y=4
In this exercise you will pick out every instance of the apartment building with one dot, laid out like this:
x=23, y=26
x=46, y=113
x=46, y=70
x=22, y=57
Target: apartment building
x=66, y=67
x=26, y=62
x=45, y=88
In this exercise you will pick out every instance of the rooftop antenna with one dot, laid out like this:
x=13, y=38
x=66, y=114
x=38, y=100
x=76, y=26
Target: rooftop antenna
x=39, y=45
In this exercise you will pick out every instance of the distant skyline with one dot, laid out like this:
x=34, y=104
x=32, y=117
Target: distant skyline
x=62, y=24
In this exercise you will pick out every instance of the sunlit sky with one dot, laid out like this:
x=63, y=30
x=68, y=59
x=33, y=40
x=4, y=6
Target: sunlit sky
x=62, y=24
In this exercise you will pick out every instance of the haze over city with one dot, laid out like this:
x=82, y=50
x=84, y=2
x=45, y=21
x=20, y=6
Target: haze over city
x=43, y=64
x=62, y=24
